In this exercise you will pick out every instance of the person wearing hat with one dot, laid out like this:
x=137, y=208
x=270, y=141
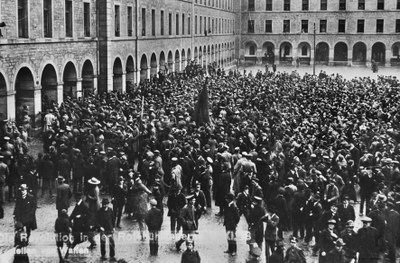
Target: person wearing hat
x=271, y=229
x=188, y=219
x=326, y=241
x=379, y=220
x=64, y=194
x=118, y=200
x=190, y=255
x=105, y=224
x=153, y=220
x=337, y=254
x=294, y=254
x=25, y=210
x=368, y=237
x=331, y=194
x=280, y=204
x=201, y=202
x=176, y=172
x=256, y=225
x=350, y=239
x=231, y=219
x=392, y=230
x=312, y=212
x=78, y=220
x=345, y=212
x=93, y=202
x=176, y=201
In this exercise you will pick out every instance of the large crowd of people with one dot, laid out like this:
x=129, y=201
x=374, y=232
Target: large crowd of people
x=286, y=153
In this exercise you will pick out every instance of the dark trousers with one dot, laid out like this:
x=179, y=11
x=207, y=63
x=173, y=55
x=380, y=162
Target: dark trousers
x=175, y=225
x=298, y=225
x=269, y=245
x=11, y=191
x=46, y=186
x=309, y=230
x=103, y=238
x=153, y=243
x=232, y=245
x=117, y=209
x=207, y=193
x=365, y=198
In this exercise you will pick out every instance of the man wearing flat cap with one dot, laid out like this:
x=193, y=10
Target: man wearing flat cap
x=105, y=223
x=327, y=240
x=154, y=219
x=188, y=220
x=231, y=219
x=25, y=209
x=337, y=254
x=368, y=242
x=64, y=195
x=349, y=237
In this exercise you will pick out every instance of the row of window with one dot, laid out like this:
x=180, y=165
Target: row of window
x=23, y=19
x=208, y=25
x=223, y=4
x=323, y=26
x=305, y=5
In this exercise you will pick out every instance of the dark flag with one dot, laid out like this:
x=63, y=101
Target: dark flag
x=201, y=114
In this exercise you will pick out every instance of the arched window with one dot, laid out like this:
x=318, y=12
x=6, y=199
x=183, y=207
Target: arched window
x=252, y=50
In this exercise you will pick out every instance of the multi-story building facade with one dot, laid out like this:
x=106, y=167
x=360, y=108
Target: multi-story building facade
x=333, y=32
x=56, y=48
x=140, y=38
x=47, y=50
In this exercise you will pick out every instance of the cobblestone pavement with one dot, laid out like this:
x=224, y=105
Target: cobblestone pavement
x=210, y=242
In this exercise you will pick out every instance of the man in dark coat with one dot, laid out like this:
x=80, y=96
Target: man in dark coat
x=256, y=225
x=345, y=213
x=112, y=171
x=379, y=222
x=272, y=220
x=392, y=230
x=25, y=210
x=91, y=171
x=154, y=219
x=118, y=200
x=279, y=203
x=176, y=201
x=231, y=219
x=188, y=221
x=327, y=240
x=105, y=223
x=78, y=220
x=368, y=242
x=337, y=254
x=298, y=216
x=349, y=237
x=201, y=203
x=63, y=195
x=46, y=172
x=294, y=254
x=62, y=230
x=243, y=202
